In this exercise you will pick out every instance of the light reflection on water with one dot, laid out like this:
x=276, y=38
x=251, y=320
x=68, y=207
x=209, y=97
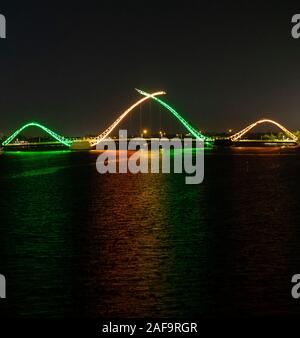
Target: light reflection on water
x=77, y=243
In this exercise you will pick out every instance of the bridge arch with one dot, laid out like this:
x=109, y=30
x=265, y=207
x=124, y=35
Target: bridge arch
x=187, y=125
x=147, y=96
x=244, y=131
x=94, y=141
x=59, y=138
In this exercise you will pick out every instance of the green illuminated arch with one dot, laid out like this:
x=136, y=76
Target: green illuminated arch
x=57, y=137
x=190, y=128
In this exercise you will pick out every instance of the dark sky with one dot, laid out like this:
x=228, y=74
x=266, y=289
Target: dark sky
x=74, y=67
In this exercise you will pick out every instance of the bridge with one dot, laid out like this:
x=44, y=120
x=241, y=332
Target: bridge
x=91, y=142
x=237, y=137
x=58, y=138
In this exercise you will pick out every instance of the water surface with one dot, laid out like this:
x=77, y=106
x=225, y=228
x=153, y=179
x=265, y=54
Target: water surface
x=76, y=243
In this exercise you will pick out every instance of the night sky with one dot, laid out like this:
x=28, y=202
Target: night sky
x=74, y=67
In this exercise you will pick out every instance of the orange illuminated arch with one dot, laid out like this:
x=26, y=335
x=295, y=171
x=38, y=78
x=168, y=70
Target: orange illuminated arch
x=244, y=131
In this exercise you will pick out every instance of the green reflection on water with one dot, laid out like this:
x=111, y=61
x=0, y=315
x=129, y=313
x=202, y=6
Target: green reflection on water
x=37, y=153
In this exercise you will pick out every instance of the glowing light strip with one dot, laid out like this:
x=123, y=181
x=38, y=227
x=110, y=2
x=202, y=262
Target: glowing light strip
x=59, y=138
x=103, y=135
x=191, y=129
x=238, y=135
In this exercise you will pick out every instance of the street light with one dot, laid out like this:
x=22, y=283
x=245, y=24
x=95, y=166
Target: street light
x=145, y=131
